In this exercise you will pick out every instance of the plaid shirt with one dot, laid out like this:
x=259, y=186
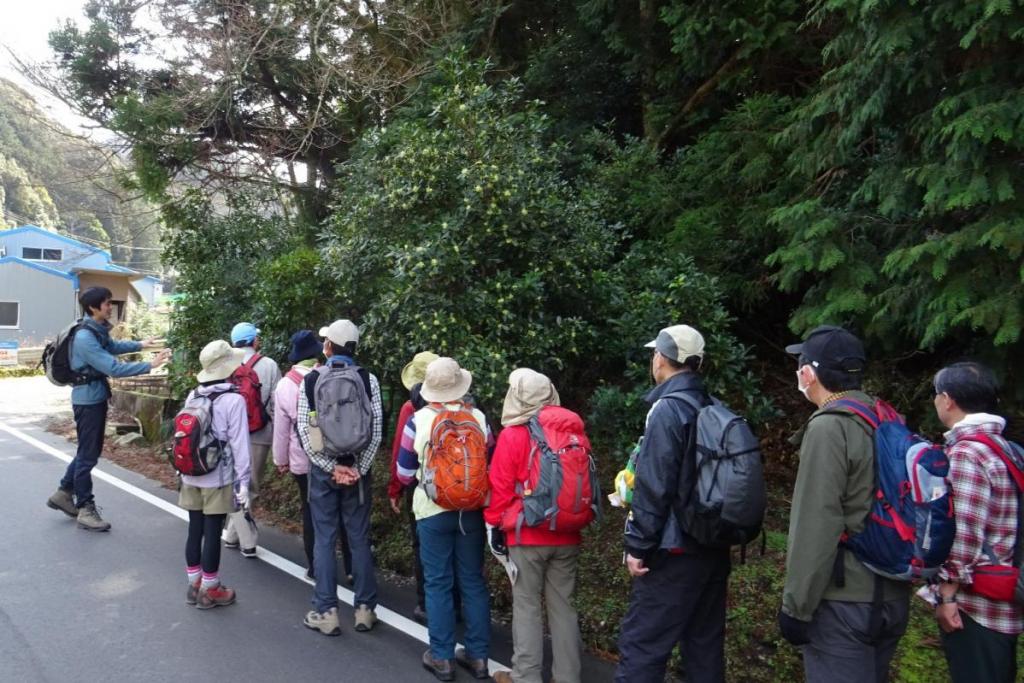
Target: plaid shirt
x=985, y=502
x=365, y=459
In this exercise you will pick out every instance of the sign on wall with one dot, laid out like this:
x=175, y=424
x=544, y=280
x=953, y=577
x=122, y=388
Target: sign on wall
x=8, y=353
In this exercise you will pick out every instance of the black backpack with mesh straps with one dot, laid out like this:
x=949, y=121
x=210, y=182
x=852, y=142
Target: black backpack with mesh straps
x=56, y=359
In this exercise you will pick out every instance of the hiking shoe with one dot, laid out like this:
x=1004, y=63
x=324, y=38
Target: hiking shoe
x=477, y=667
x=442, y=669
x=366, y=618
x=192, y=593
x=214, y=596
x=420, y=615
x=89, y=519
x=248, y=552
x=63, y=501
x=325, y=622
x=233, y=545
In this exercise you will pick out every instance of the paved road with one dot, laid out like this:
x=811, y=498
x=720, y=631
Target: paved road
x=81, y=606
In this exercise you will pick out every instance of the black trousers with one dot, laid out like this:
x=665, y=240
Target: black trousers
x=680, y=600
x=203, y=544
x=979, y=654
x=302, y=480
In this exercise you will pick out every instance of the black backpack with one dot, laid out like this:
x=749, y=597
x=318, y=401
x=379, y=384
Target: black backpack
x=56, y=360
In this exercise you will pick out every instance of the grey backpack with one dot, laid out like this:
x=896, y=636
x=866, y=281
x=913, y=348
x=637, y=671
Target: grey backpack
x=343, y=410
x=727, y=504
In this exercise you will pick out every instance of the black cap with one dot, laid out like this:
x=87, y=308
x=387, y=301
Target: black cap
x=832, y=348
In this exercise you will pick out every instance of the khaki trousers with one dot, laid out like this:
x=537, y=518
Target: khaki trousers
x=548, y=571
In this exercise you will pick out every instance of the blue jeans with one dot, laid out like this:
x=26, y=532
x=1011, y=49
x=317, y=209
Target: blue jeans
x=451, y=546
x=331, y=506
x=90, y=423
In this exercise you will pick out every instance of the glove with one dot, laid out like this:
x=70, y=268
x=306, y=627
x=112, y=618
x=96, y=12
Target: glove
x=242, y=497
x=497, y=541
x=793, y=630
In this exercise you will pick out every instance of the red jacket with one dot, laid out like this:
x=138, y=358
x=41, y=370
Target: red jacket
x=508, y=466
x=394, y=486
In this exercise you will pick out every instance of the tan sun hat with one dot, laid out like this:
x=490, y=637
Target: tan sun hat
x=219, y=360
x=415, y=370
x=528, y=392
x=445, y=381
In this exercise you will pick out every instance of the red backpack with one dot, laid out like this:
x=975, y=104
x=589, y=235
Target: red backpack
x=562, y=490
x=248, y=384
x=196, y=451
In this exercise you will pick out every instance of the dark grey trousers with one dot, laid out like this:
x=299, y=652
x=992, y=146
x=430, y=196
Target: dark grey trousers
x=841, y=649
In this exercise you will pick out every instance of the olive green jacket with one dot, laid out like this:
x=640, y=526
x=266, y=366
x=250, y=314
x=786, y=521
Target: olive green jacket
x=834, y=487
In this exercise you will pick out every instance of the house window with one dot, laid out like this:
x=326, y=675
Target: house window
x=118, y=309
x=37, y=254
x=9, y=312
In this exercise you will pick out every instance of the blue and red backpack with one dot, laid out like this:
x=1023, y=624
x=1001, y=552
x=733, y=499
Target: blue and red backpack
x=910, y=530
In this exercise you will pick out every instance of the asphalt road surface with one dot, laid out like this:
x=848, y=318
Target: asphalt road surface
x=86, y=606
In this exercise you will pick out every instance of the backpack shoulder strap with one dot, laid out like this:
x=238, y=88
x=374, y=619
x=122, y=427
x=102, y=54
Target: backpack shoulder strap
x=687, y=397
x=295, y=376
x=862, y=410
x=1015, y=472
x=537, y=434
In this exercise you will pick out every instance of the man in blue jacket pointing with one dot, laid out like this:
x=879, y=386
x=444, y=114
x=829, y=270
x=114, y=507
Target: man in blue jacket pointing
x=93, y=354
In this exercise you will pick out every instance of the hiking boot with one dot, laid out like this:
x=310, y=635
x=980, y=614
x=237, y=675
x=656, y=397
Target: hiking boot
x=477, y=667
x=248, y=552
x=214, y=596
x=89, y=519
x=442, y=669
x=192, y=592
x=63, y=501
x=420, y=615
x=505, y=677
x=366, y=618
x=325, y=622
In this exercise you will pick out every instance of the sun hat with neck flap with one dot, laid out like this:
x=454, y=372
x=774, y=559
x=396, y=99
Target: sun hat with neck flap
x=445, y=381
x=528, y=392
x=219, y=360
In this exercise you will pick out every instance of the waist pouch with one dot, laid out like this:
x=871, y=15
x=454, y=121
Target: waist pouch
x=995, y=581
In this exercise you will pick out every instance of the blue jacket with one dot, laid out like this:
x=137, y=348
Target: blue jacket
x=98, y=354
x=665, y=471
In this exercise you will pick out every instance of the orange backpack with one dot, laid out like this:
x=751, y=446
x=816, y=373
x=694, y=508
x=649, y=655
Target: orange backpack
x=455, y=467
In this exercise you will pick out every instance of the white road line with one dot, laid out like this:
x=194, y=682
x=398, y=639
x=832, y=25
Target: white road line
x=387, y=616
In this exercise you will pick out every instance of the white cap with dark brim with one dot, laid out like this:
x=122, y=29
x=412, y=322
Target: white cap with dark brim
x=678, y=343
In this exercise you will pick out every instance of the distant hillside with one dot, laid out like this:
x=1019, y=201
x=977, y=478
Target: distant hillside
x=53, y=179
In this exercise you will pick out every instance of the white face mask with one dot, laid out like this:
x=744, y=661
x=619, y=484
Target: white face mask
x=800, y=385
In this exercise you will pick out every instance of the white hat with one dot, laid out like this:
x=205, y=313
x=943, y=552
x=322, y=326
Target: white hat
x=219, y=360
x=341, y=332
x=678, y=343
x=323, y=332
x=445, y=381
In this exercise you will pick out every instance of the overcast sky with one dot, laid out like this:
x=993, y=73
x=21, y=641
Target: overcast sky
x=25, y=26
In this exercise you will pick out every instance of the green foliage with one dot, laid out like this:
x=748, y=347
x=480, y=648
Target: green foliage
x=910, y=221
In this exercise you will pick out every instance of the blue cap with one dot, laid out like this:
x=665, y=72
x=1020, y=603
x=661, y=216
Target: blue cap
x=243, y=332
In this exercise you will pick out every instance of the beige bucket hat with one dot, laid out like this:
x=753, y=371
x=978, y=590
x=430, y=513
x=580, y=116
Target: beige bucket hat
x=445, y=381
x=528, y=392
x=219, y=360
x=416, y=369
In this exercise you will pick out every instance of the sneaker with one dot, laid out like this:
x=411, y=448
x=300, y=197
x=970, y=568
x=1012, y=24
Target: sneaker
x=420, y=615
x=63, y=501
x=233, y=545
x=248, y=552
x=441, y=668
x=89, y=519
x=477, y=667
x=325, y=622
x=192, y=593
x=366, y=619
x=214, y=596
